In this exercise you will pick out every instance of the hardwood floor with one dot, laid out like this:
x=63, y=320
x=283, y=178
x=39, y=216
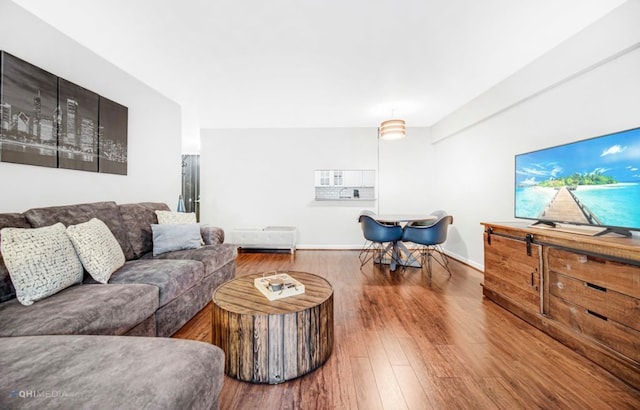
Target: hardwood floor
x=402, y=342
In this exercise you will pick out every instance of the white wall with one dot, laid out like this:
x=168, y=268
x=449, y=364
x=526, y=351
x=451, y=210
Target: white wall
x=477, y=156
x=611, y=36
x=154, y=125
x=588, y=86
x=260, y=177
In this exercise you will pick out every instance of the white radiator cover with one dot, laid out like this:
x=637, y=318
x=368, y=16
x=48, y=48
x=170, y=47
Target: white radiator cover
x=270, y=237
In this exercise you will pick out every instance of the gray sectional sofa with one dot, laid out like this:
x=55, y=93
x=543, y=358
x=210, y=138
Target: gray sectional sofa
x=109, y=372
x=148, y=296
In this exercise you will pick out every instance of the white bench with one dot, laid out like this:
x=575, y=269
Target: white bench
x=270, y=237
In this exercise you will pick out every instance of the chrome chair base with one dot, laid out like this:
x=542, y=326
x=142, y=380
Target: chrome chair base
x=379, y=253
x=435, y=253
x=369, y=249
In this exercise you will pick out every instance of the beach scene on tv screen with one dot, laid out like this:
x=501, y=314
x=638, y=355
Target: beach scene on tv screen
x=589, y=182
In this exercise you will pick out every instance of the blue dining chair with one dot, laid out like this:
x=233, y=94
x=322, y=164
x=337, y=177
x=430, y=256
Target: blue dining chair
x=429, y=238
x=376, y=236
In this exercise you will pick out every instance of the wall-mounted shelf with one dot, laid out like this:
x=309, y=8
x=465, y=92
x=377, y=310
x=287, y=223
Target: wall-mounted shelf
x=345, y=185
x=345, y=199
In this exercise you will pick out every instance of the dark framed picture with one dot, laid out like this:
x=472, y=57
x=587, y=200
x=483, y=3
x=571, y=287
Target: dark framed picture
x=29, y=115
x=78, y=129
x=112, y=136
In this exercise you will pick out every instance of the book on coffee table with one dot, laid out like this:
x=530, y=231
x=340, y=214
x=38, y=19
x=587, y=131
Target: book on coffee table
x=278, y=286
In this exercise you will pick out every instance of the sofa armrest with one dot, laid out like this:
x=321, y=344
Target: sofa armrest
x=212, y=235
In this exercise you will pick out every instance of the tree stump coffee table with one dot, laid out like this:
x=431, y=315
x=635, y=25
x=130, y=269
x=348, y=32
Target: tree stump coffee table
x=273, y=341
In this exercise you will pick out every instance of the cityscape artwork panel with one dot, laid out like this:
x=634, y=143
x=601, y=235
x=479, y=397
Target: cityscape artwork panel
x=112, y=134
x=78, y=129
x=28, y=117
x=48, y=121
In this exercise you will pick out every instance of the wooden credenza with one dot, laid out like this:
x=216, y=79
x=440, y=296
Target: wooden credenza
x=583, y=291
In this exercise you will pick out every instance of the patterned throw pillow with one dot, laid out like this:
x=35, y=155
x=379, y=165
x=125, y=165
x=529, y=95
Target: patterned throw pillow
x=40, y=261
x=97, y=248
x=175, y=218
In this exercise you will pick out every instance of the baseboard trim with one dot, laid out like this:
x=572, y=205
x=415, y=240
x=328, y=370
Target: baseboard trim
x=326, y=247
x=333, y=247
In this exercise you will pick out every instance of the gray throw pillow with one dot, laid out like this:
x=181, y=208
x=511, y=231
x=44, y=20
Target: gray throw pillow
x=168, y=238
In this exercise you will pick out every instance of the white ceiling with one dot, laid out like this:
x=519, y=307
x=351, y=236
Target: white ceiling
x=319, y=63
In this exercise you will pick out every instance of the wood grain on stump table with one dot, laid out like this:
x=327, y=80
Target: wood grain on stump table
x=273, y=341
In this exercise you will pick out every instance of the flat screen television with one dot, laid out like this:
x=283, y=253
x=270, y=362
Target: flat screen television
x=594, y=182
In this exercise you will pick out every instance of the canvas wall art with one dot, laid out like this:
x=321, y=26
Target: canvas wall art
x=28, y=118
x=49, y=121
x=78, y=136
x=112, y=134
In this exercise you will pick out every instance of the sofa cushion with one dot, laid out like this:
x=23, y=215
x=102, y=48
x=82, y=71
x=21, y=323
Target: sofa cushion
x=81, y=309
x=96, y=372
x=40, y=261
x=167, y=238
x=108, y=212
x=11, y=220
x=171, y=277
x=97, y=248
x=138, y=219
x=212, y=256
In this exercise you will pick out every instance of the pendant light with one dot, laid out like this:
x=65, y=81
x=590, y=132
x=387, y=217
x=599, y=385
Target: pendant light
x=393, y=129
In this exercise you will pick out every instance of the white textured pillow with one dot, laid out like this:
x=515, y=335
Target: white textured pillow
x=176, y=218
x=97, y=248
x=40, y=261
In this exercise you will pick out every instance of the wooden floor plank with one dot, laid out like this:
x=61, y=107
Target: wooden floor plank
x=402, y=341
x=392, y=348
x=423, y=372
x=388, y=387
x=346, y=397
x=412, y=391
x=367, y=393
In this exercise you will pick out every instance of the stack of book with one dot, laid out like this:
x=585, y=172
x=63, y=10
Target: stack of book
x=278, y=286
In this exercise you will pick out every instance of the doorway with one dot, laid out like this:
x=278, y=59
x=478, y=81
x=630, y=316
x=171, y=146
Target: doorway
x=191, y=183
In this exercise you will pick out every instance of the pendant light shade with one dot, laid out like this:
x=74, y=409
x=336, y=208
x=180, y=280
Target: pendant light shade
x=393, y=130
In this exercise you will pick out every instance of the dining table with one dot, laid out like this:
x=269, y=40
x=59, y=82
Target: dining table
x=399, y=251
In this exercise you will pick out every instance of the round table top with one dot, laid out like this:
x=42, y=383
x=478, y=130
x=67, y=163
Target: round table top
x=396, y=218
x=240, y=296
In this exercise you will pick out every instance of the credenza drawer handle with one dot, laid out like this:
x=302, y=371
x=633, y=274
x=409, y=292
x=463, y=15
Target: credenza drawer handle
x=596, y=287
x=598, y=315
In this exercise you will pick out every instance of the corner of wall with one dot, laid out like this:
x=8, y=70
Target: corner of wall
x=613, y=36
